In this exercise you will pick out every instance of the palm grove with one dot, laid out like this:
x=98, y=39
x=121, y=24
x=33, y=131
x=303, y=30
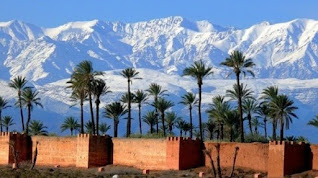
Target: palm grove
x=226, y=113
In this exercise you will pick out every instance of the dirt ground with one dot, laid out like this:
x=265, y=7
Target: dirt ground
x=122, y=171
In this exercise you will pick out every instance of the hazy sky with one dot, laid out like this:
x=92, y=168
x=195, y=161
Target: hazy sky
x=238, y=13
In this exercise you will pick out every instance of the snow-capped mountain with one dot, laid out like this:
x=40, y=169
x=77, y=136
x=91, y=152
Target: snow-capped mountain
x=285, y=54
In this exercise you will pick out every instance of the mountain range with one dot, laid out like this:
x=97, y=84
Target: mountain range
x=285, y=54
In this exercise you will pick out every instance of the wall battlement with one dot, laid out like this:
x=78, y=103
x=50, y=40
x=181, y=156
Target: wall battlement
x=173, y=153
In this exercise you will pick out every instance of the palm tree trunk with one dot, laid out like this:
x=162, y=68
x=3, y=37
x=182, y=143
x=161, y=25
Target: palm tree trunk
x=115, y=128
x=250, y=123
x=97, y=115
x=199, y=108
x=29, y=118
x=139, y=108
x=157, y=118
x=21, y=111
x=180, y=132
x=281, y=129
x=256, y=130
x=163, y=123
x=240, y=106
x=265, y=128
x=71, y=132
x=222, y=131
x=7, y=128
x=129, y=111
x=190, y=109
x=211, y=134
x=92, y=112
x=151, y=129
x=274, y=129
x=82, y=117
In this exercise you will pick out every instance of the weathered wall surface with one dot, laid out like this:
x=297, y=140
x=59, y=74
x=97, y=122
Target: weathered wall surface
x=250, y=155
x=140, y=153
x=314, y=156
x=21, y=143
x=55, y=150
x=4, y=147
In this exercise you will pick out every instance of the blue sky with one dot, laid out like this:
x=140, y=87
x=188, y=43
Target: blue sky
x=237, y=13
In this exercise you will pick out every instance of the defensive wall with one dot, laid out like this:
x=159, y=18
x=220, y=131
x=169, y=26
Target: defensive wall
x=173, y=153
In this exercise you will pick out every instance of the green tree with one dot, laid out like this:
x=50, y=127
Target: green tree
x=150, y=119
x=37, y=128
x=3, y=105
x=18, y=83
x=115, y=111
x=282, y=108
x=210, y=126
x=162, y=105
x=268, y=95
x=140, y=98
x=99, y=89
x=171, y=119
x=256, y=124
x=79, y=94
x=29, y=99
x=263, y=113
x=70, y=123
x=198, y=71
x=7, y=122
x=189, y=100
x=230, y=120
x=217, y=111
x=85, y=77
x=129, y=74
x=103, y=128
x=89, y=127
x=314, y=122
x=239, y=64
x=250, y=107
x=181, y=124
x=156, y=91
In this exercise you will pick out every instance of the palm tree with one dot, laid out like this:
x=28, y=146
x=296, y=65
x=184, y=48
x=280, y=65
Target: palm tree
x=180, y=124
x=156, y=91
x=250, y=106
x=7, y=122
x=89, y=127
x=79, y=94
x=140, y=98
x=150, y=119
x=198, y=71
x=115, y=111
x=99, y=89
x=268, y=95
x=18, y=84
x=239, y=64
x=246, y=93
x=171, y=119
x=129, y=74
x=263, y=112
x=230, y=120
x=70, y=123
x=256, y=124
x=217, y=111
x=189, y=100
x=3, y=105
x=29, y=99
x=282, y=108
x=85, y=75
x=103, y=128
x=314, y=122
x=162, y=105
x=210, y=126
x=37, y=128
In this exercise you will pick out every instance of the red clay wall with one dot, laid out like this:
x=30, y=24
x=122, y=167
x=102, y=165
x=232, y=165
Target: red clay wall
x=250, y=155
x=22, y=144
x=140, y=153
x=314, y=156
x=183, y=153
x=55, y=150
